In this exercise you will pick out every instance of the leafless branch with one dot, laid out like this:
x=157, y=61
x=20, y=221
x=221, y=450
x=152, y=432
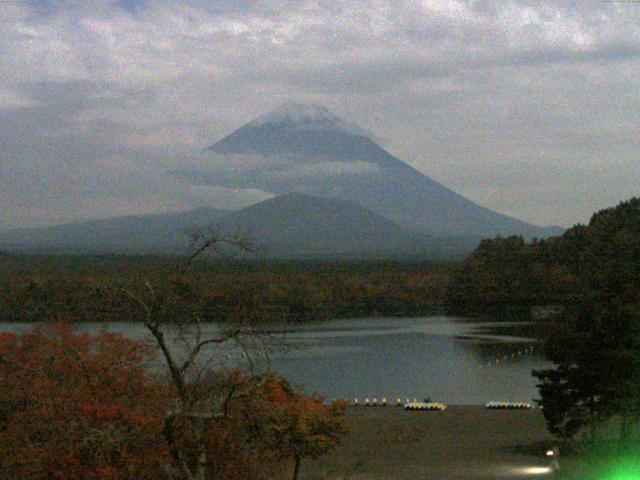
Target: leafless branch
x=214, y=240
x=200, y=399
x=199, y=344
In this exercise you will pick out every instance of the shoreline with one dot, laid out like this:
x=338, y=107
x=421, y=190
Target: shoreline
x=461, y=442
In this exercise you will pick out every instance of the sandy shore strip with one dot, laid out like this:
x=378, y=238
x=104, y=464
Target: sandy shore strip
x=461, y=442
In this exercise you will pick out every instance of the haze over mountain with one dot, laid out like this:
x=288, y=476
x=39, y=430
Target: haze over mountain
x=305, y=148
x=160, y=233
x=293, y=225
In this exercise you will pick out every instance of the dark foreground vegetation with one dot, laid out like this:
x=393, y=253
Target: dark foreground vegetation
x=80, y=406
x=591, y=275
x=601, y=258
x=87, y=407
x=42, y=288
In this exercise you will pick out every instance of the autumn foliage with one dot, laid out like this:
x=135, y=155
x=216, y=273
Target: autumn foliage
x=289, y=426
x=80, y=406
x=80, y=289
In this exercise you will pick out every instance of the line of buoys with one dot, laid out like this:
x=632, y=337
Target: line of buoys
x=509, y=405
x=425, y=406
x=373, y=403
x=428, y=405
x=497, y=360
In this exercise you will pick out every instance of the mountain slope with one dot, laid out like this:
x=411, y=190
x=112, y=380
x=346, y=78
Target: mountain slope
x=300, y=225
x=306, y=148
x=157, y=233
x=289, y=226
x=303, y=224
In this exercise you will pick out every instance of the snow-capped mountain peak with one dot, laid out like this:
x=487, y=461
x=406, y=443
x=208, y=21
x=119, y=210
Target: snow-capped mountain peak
x=305, y=116
x=295, y=112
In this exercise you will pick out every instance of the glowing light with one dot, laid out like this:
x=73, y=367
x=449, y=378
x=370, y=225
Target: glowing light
x=549, y=453
x=537, y=470
x=531, y=471
x=625, y=472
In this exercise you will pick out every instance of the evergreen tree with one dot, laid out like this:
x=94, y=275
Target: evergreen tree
x=596, y=349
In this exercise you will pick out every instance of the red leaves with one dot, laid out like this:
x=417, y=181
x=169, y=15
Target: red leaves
x=298, y=425
x=78, y=406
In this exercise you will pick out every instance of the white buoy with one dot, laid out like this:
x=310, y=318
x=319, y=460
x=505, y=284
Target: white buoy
x=355, y=402
x=384, y=402
x=366, y=402
x=375, y=402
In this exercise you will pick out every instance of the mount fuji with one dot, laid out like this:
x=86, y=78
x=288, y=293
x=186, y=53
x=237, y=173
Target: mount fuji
x=305, y=148
x=333, y=193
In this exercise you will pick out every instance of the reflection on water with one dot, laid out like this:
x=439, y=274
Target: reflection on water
x=451, y=360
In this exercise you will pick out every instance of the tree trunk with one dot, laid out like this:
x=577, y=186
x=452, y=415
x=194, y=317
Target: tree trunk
x=199, y=425
x=296, y=467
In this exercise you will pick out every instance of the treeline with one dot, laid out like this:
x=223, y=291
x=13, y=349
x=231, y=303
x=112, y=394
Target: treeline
x=595, y=344
x=87, y=288
x=509, y=273
x=592, y=273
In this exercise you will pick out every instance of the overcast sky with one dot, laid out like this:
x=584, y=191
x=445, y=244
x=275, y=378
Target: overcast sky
x=531, y=108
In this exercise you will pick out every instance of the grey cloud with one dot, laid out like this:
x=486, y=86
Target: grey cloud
x=60, y=164
x=269, y=174
x=603, y=54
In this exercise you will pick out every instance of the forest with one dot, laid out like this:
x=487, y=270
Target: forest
x=103, y=406
x=591, y=276
x=87, y=407
x=40, y=288
x=602, y=257
x=503, y=276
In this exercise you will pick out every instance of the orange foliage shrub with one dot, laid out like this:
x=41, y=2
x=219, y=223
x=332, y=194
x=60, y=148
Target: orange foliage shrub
x=290, y=426
x=78, y=406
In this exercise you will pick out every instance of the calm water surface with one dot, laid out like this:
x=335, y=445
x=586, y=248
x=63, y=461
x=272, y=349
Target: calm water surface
x=452, y=360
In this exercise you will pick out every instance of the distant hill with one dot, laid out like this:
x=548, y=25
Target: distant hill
x=300, y=225
x=293, y=225
x=158, y=234
x=305, y=148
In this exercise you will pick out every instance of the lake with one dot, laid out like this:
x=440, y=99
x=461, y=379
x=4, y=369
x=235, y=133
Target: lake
x=450, y=360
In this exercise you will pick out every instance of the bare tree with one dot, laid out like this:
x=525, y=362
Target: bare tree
x=185, y=345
